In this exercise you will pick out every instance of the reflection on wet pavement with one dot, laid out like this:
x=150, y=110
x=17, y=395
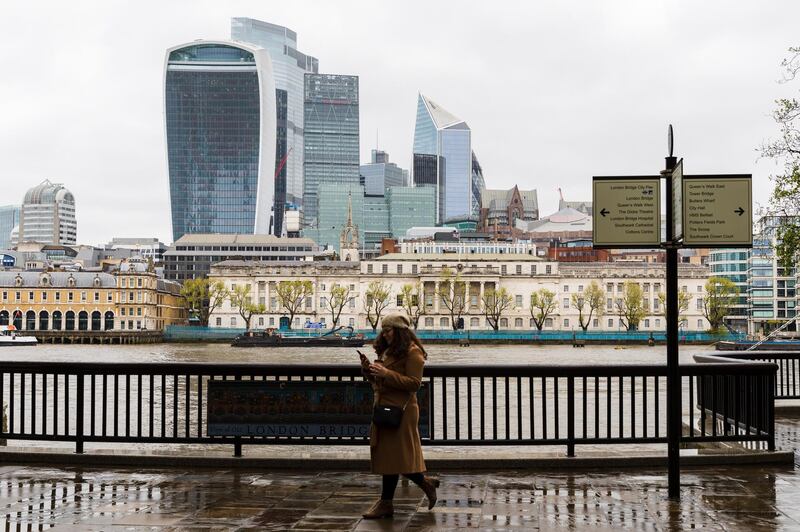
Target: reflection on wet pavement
x=741, y=498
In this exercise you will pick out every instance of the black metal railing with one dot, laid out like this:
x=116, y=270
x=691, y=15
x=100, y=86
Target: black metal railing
x=470, y=405
x=787, y=376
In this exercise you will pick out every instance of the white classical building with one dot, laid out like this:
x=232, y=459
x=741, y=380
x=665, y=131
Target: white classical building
x=521, y=275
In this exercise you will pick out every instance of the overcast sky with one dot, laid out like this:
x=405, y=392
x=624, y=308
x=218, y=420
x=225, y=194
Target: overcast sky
x=554, y=92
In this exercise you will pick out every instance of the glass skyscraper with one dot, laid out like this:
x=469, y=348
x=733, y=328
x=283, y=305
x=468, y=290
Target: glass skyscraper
x=220, y=113
x=9, y=219
x=381, y=174
x=441, y=134
x=289, y=69
x=377, y=217
x=331, y=139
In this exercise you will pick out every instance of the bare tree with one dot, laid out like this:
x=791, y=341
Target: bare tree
x=241, y=301
x=376, y=299
x=543, y=305
x=413, y=302
x=340, y=298
x=495, y=303
x=587, y=303
x=291, y=295
x=452, y=294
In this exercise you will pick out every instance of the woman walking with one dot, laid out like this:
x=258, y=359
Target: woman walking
x=395, y=447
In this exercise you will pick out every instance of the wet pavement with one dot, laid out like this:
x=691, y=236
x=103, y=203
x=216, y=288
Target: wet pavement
x=742, y=498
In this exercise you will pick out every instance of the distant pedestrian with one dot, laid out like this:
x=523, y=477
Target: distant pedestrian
x=395, y=447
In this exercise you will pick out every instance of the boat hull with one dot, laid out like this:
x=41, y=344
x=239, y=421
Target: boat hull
x=17, y=343
x=295, y=341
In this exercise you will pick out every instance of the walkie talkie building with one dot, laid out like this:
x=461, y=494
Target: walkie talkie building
x=220, y=122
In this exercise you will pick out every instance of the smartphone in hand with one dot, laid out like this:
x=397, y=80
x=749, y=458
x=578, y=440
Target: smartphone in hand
x=364, y=359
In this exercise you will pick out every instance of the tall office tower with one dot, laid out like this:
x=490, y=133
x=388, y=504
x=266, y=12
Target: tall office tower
x=380, y=174
x=447, y=140
x=47, y=215
x=289, y=67
x=220, y=113
x=331, y=136
x=9, y=219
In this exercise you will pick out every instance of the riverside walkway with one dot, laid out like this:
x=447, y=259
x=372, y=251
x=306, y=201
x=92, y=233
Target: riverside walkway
x=730, y=498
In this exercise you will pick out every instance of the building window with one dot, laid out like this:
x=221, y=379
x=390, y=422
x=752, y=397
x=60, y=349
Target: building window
x=609, y=304
x=260, y=321
x=700, y=324
x=566, y=288
x=414, y=269
x=518, y=322
x=566, y=302
x=233, y=321
x=30, y=296
x=655, y=304
x=122, y=311
x=399, y=300
x=428, y=322
x=139, y=282
x=620, y=287
x=369, y=268
x=44, y=296
x=646, y=324
x=699, y=288
x=96, y=297
x=384, y=268
x=351, y=322
x=271, y=321
x=580, y=288
x=699, y=304
x=138, y=311
x=444, y=322
x=399, y=268
x=503, y=269
x=352, y=287
x=646, y=288
x=109, y=297
x=610, y=323
x=124, y=284
x=18, y=296
x=566, y=322
x=322, y=287
x=548, y=269
x=352, y=302
x=504, y=322
x=609, y=287
x=519, y=269
x=518, y=300
x=595, y=323
x=219, y=321
x=474, y=322
x=548, y=322
x=309, y=302
x=684, y=288
x=323, y=302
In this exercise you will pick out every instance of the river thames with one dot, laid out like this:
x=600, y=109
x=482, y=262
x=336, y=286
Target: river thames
x=438, y=354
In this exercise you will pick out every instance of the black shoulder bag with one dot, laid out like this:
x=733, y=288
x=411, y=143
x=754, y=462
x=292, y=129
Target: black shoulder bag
x=388, y=416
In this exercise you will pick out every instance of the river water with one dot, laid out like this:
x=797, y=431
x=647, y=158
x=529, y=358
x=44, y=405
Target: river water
x=438, y=354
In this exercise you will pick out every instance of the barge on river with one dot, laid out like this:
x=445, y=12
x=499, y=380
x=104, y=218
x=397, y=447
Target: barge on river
x=341, y=337
x=10, y=337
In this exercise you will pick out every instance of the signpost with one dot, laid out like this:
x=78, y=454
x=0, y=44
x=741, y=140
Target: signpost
x=626, y=212
x=702, y=211
x=677, y=200
x=718, y=211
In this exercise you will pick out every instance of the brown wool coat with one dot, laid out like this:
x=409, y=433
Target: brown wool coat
x=397, y=451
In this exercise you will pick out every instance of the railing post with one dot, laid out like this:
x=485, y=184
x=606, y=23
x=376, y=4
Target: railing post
x=570, y=416
x=237, y=447
x=79, y=420
x=770, y=392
